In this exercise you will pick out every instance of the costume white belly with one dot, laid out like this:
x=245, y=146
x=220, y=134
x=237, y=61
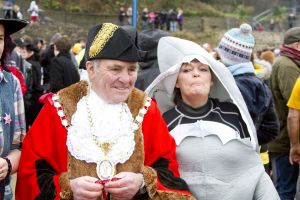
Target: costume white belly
x=217, y=171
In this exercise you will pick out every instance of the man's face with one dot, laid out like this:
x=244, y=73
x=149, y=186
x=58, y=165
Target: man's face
x=1, y=39
x=112, y=80
x=297, y=46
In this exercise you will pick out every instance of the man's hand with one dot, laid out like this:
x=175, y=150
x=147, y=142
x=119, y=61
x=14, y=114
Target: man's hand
x=85, y=188
x=126, y=187
x=295, y=154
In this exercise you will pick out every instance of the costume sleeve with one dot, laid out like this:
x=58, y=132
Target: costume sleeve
x=161, y=171
x=43, y=158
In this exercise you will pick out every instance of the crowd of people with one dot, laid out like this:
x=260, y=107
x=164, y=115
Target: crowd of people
x=164, y=20
x=11, y=10
x=122, y=114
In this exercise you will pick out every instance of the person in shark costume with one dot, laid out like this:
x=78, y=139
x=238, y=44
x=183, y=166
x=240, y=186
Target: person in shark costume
x=208, y=118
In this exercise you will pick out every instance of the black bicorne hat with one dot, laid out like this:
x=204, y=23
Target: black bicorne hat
x=12, y=25
x=109, y=41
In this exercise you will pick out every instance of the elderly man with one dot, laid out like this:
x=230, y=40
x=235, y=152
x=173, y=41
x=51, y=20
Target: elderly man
x=102, y=138
x=286, y=70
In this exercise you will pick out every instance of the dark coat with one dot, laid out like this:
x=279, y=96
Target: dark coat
x=62, y=72
x=148, y=41
x=259, y=101
x=34, y=90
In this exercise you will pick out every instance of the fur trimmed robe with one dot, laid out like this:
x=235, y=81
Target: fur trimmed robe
x=161, y=175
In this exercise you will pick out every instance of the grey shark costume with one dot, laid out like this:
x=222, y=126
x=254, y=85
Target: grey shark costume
x=217, y=143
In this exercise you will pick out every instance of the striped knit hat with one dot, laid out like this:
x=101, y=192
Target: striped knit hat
x=236, y=45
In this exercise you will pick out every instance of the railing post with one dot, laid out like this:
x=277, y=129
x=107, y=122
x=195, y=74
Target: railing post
x=134, y=13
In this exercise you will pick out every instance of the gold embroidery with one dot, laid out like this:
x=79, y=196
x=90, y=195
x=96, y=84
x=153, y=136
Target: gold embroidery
x=106, y=32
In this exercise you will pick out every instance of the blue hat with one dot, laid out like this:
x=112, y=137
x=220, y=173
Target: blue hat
x=236, y=45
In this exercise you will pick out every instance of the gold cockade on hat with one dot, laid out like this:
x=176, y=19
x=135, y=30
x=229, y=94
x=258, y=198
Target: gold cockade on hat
x=103, y=36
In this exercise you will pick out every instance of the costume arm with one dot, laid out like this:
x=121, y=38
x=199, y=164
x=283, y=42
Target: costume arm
x=161, y=168
x=265, y=189
x=43, y=159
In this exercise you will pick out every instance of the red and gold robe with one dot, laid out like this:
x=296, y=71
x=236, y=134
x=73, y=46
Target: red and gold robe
x=44, y=172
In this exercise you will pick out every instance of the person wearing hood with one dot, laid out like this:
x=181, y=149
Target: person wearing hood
x=235, y=50
x=208, y=118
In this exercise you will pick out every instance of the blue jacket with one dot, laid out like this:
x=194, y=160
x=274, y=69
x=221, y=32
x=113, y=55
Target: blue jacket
x=259, y=101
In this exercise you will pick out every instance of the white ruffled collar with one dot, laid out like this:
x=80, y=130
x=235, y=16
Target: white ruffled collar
x=79, y=141
x=112, y=124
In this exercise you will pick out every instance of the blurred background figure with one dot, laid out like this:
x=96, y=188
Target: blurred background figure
x=272, y=24
x=291, y=19
x=63, y=72
x=121, y=16
x=180, y=19
x=148, y=70
x=8, y=9
x=33, y=82
x=145, y=19
x=17, y=12
x=172, y=20
x=34, y=12
x=129, y=15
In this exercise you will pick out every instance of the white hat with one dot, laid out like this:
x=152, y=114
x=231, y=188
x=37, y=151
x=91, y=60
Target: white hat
x=172, y=52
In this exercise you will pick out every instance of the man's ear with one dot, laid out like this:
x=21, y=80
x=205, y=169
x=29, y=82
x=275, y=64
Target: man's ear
x=90, y=68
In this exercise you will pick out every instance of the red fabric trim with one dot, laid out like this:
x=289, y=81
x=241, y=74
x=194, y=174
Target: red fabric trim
x=46, y=98
x=50, y=146
x=159, y=132
x=19, y=76
x=57, y=186
x=162, y=187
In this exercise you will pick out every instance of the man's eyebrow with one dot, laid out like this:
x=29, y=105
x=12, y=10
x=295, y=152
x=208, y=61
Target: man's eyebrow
x=122, y=66
x=115, y=65
x=133, y=66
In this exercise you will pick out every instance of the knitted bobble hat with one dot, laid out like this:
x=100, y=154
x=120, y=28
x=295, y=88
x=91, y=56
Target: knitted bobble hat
x=236, y=45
